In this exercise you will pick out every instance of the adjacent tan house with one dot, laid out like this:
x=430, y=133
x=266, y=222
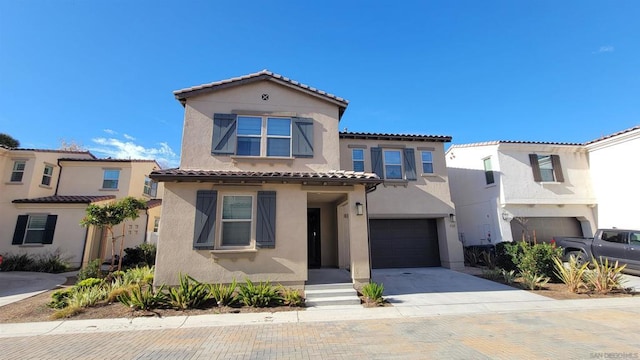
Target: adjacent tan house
x=267, y=188
x=44, y=194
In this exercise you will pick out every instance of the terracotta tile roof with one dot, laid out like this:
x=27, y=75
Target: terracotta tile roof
x=185, y=93
x=394, y=137
x=65, y=199
x=54, y=151
x=153, y=203
x=498, y=142
x=333, y=177
x=613, y=135
x=113, y=160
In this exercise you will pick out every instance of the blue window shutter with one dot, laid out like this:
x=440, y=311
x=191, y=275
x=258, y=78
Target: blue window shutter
x=21, y=227
x=535, y=166
x=205, y=221
x=557, y=168
x=49, y=229
x=224, y=134
x=409, y=164
x=376, y=161
x=266, y=220
x=302, y=137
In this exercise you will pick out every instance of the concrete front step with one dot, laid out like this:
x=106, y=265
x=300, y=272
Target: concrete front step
x=331, y=295
x=332, y=301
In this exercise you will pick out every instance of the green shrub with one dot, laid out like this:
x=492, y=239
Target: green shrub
x=141, y=255
x=189, y=294
x=571, y=275
x=52, y=262
x=509, y=277
x=291, y=297
x=262, y=294
x=533, y=281
x=492, y=274
x=505, y=252
x=223, y=294
x=67, y=312
x=60, y=298
x=139, y=275
x=372, y=293
x=89, y=282
x=91, y=270
x=19, y=262
x=472, y=255
x=536, y=259
x=143, y=297
x=87, y=296
x=604, y=277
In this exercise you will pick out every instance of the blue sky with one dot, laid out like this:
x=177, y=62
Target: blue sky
x=101, y=73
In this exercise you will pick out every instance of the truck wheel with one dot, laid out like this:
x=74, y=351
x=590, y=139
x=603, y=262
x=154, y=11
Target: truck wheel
x=581, y=258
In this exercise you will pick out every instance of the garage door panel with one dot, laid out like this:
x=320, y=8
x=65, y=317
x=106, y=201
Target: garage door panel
x=545, y=228
x=404, y=243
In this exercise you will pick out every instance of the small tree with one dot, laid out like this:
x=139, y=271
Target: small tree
x=110, y=215
x=9, y=141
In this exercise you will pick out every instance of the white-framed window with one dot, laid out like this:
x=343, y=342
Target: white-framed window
x=237, y=221
x=150, y=187
x=156, y=224
x=392, y=164
x=47, y=174
x=546, y=168
x=263, y=136
x=427, y=162
x=110, y=179
x=34, y=233
x=357, y=156
x=18, y=170
x=488, y=171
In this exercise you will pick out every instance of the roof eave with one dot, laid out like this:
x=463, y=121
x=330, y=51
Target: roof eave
x=262, y=180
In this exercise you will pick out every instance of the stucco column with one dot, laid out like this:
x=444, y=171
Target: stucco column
x=451, y=253
x=359, y=239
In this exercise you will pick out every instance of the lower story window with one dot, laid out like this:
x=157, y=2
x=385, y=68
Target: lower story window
x=237, y=219
x=34, y=229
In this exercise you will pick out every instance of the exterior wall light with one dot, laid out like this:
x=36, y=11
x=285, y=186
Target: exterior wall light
x=506, y=216
x=452, y=218
x=359, y=208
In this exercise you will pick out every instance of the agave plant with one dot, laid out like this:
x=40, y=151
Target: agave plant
x=605, y=277
x=262, y=294
x=143, y=297
x=189, y=294
x=223, y=294
x=571, y=275
x=373, y=293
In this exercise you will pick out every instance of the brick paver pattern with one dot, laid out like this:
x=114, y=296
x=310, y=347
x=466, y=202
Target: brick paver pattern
x=593, y=334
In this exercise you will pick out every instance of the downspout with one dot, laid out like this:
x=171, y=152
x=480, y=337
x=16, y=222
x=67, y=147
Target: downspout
x=84, y=246
x=146, y=226
x=59, y=176
x=366, y=203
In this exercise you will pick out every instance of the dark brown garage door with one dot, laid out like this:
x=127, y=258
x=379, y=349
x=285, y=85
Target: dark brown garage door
x=402, y=243
x=544, y=228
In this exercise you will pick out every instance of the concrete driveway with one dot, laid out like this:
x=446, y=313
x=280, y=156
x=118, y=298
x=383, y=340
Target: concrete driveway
x=18, y=285
x=440, y=286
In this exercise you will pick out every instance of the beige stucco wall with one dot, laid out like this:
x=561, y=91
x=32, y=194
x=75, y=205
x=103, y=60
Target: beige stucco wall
x=286, y=263
x=198, y=127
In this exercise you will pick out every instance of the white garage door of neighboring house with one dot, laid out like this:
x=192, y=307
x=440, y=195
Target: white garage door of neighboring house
x=404, y=243
x=545, y=228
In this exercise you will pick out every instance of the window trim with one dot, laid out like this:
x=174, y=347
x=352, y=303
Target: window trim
x=152, y=187
x=384, y=163
x=488, y=171
x=264, y=136
x=558, y=176
x=156, y=224
x=117, y=180
x=47, y=176
x=354, y=160
x=14, y=170
x=220, y=221
x=422, y=162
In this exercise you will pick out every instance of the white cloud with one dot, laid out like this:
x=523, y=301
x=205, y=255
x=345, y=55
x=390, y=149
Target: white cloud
x=128, y=137
x=109, y=131
x=605, y=49
x=119, y=149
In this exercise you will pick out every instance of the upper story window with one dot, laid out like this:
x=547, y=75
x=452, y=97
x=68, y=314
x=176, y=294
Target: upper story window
x=392, y=164
x=488, y=171
x=47, y=175
x=357, y=156
x=18, y=170
x=546, y=168
x=266, y=136
x=110, y=179
x=150, y=187
x=427, y=162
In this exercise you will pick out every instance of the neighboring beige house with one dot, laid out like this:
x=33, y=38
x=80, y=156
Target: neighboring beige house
x=507, y=190
x=44, y=194
x=266, y=188
x=615, y=176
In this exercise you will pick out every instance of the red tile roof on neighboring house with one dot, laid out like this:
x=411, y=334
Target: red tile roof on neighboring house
x=65, y=199
x=324, y=178
x=486, y=143
x=183, y=94
x=53, y=151
x=153, y=203
x=613, y=135
x=394, y=137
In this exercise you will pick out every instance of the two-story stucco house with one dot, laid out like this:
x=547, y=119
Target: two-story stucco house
x=267, y=188
x=615, y=178
x=44, y=194
x=507, y=190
